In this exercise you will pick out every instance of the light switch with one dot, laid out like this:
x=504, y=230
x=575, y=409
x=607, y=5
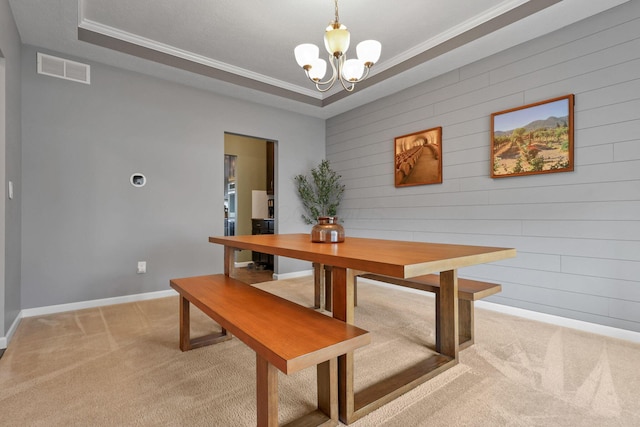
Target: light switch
x=10, y=190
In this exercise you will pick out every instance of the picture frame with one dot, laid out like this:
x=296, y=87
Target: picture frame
x=418, y=158
x=533, y=139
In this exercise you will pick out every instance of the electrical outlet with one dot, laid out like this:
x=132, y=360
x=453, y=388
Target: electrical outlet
x=142, y=267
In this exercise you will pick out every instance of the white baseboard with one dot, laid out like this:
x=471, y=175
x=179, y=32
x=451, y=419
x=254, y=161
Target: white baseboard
x=519, y=312
x=293, y=275
x=4, y=341
x=60, y=308
x=39, y=311
x=580, y=325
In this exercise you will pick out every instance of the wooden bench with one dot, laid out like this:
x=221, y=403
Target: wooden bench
x=468, y=292
x=284, y=335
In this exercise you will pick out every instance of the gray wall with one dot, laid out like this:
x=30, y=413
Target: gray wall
x=577, y=233
x=10, y=166
x=85, y=227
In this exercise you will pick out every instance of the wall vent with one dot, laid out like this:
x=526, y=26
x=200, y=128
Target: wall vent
x=63, y=68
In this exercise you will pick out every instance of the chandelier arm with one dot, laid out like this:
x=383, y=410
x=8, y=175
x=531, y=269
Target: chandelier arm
x=331, y=81
x=320, y=83
x=326, y=88
x=366, y=74
x=348, y=89
x=342, y=82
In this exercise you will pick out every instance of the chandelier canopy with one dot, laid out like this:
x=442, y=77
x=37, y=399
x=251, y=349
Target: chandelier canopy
x=336, y=41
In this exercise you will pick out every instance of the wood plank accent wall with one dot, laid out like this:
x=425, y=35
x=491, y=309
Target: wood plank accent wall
x=577, y=233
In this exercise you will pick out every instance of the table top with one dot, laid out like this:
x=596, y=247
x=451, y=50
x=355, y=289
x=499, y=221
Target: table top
x=388, y=257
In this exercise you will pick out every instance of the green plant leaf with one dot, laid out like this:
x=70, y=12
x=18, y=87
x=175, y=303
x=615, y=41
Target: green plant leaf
x=321, y=193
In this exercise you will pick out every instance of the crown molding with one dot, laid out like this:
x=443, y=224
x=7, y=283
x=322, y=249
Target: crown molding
x=145, y=43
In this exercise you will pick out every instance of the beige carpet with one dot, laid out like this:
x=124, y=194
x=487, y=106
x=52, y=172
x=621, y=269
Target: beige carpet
x=120, y=365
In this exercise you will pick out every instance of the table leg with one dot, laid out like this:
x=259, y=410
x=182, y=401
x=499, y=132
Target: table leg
x=229, y=260
x=354, y=406
x=229, y=266
x=317, y=285
x=343, y=303
x=322, y=286
x=328, y=288
x=448, y=313
x=343, y=309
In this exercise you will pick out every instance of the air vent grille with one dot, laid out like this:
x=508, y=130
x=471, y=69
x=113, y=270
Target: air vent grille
x=63, y=68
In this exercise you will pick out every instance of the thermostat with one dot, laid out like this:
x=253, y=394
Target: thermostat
x=138, y=180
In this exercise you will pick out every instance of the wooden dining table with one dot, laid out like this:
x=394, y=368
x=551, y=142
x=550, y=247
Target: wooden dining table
x=394, y=258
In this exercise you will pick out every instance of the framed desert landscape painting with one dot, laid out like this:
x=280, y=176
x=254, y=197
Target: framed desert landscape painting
x=533, y=139
x=418, y=158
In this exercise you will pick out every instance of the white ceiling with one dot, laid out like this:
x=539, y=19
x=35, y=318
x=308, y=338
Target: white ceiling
x=245, y=48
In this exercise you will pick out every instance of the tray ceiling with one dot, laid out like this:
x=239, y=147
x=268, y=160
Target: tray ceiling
x=245, y=49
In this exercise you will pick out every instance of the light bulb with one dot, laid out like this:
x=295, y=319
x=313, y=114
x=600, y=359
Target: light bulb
x=318, y=69
x=369, y=51
x=306, y=53
x=353, y=69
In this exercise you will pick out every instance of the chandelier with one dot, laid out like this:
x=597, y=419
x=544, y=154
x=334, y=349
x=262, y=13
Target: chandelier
x=336, y=41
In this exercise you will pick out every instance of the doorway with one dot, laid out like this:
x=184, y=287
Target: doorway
x=249, y=199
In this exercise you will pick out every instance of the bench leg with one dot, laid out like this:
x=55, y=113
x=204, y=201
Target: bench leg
x=267, y=395
x=327, y=373
x=185, y=324
x=186, y=343
x=465, y=323
x=267, y=392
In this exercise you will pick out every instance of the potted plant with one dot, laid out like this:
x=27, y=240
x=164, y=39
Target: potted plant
x=321, y=194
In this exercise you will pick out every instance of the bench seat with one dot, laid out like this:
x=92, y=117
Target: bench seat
x=284, y=335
